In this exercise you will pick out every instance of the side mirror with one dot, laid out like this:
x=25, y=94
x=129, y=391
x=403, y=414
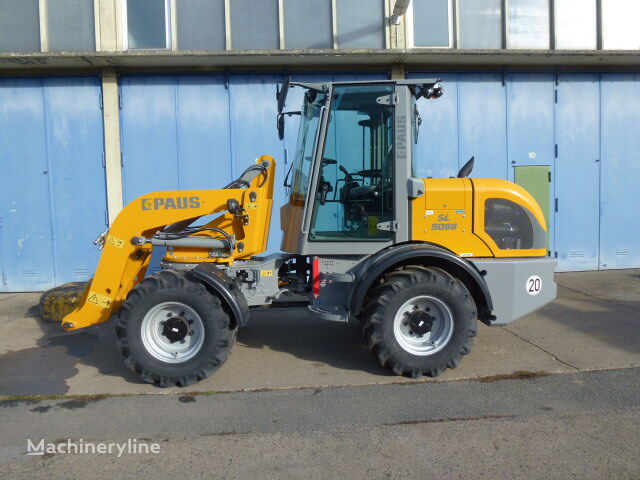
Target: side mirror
x=281, y=94
x=280, y=122
x=281, y=126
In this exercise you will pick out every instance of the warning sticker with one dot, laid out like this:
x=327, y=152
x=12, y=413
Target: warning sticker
x=97, y=299
x=115, y=242
x=251, y=205
x=266, y=273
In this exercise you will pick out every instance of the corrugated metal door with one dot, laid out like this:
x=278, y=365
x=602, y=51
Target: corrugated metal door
x=577, y=172
x=620, y=171
x=52, y=188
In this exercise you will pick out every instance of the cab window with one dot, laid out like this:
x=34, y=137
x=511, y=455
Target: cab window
x=354, y=198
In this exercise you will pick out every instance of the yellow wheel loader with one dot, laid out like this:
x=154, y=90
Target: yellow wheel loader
x=416, y=261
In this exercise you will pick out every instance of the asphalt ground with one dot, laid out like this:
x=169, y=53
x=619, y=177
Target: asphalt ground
x=574, y=425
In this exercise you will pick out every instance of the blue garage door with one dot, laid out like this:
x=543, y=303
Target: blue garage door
x=200, y=131
x=52, y=187
x=620, y=174
x=577, y=171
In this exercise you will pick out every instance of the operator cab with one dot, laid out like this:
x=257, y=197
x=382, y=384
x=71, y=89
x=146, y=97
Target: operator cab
x=349, y=154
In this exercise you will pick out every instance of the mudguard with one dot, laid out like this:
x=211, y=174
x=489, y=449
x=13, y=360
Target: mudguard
x=222, y=284
x=422, y=254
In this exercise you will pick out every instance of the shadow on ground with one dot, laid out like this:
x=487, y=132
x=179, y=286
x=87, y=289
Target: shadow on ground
x=298, y=333
x=46, y=368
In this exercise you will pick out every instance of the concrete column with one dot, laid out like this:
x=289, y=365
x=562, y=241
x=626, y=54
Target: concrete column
x=112, y=151
x=397, y=34
x=110, y=21
x=397, y=72
x=397, y=39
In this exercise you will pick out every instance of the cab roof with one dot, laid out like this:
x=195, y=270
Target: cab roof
x=322, y=86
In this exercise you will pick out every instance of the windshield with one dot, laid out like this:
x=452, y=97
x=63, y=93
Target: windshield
x=303, y=159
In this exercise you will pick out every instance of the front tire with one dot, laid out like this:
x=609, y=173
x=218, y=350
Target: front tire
x=173, y=331
x=419, y=321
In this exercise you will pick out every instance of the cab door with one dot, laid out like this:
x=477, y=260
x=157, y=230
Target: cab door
x=353, y=187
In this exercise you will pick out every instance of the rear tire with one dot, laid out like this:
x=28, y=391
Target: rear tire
x=419, y=321
x=173, y=331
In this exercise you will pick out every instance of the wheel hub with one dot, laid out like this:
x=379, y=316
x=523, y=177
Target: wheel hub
x=420, y=322
x=423, y=325
x=175, y=329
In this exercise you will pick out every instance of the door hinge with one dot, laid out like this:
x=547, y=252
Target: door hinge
x=549, y=177
x=556, y=150
x=120, y=101
x=122, y=159
x=391, y=99
x=391, y=226
x=555, y=95
x=104, y=160
x=106, y=217
x=556, y=205
x=101, y=101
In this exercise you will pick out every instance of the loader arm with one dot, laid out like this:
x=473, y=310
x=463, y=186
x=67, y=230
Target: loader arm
x=129, y=242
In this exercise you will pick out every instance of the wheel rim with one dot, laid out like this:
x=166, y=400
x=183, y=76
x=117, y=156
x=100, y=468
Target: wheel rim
x=423, y=325
x=172, y=332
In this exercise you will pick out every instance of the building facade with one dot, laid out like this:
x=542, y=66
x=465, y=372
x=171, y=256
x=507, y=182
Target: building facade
x=104, y=100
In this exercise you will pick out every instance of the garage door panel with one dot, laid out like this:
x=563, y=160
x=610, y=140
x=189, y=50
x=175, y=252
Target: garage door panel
x=577, y=171
x=203, y=132
x=620, y=171
x=149, y=145
x=27, y=248
x=52, y=191
x=75, y=151
x=530, y=112
x=482, y=124
x=253, y=133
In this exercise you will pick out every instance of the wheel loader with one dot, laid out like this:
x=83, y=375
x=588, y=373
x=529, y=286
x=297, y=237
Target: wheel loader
x=418, y=262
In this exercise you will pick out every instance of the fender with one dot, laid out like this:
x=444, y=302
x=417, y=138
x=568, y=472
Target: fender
x=422, y=254
x=222, y=284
